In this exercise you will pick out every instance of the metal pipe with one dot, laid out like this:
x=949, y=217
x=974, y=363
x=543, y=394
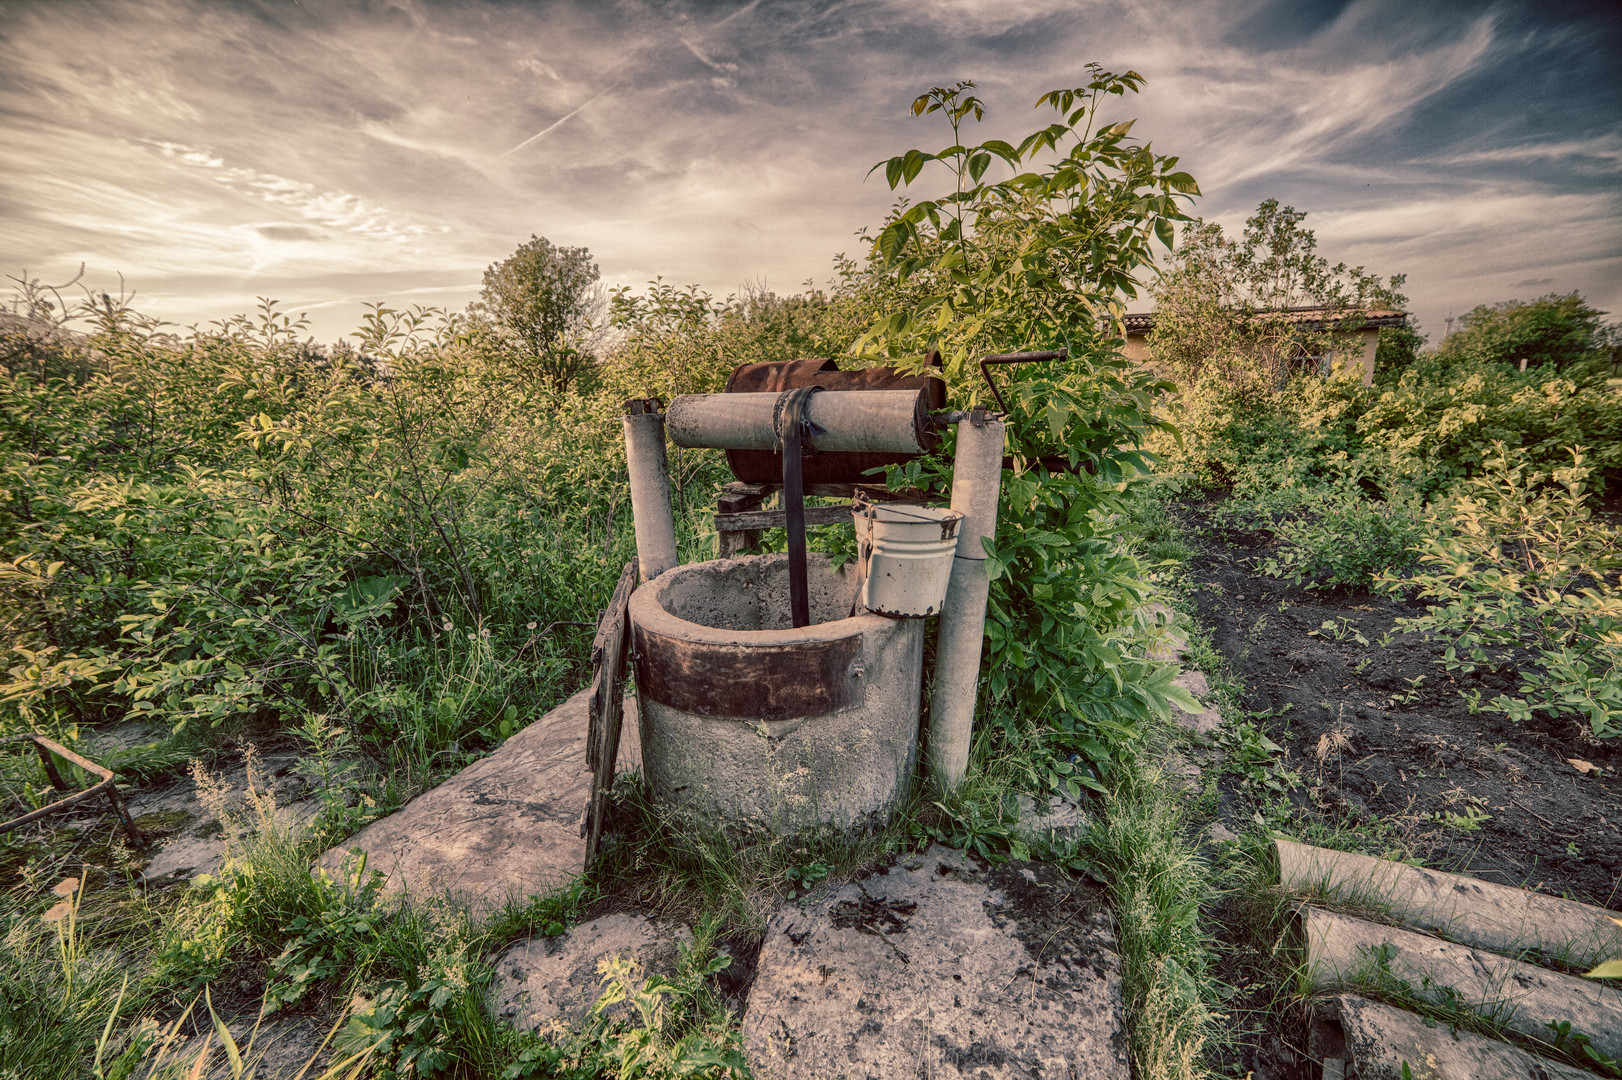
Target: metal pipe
x=650, y=488
x=1016, y=358
x=976, y=486
x=846, y=421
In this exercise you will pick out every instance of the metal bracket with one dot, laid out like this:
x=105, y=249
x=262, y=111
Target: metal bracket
x=107, y=786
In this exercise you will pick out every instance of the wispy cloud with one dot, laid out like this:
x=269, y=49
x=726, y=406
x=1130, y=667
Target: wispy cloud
x=329, y=152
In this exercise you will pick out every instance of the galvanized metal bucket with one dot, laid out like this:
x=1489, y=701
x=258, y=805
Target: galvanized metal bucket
x=904, y=557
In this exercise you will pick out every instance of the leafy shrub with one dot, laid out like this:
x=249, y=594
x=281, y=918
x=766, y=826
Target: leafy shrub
x=232, y=528
x=1035, y=261
x=1336, y=536
x=1441, y=421
x=1520, y=566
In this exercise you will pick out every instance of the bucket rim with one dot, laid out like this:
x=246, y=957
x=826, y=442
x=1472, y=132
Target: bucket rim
x=903, y=513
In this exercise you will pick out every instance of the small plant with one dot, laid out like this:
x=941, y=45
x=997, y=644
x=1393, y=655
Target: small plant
x=1341, y=629
x=801, y=879
x=329, y=941
x=1251, y=757
x=1522, y=567
x=1577, y=1046
x=1410, y=695
x=1339, y=538
x=1468, y=821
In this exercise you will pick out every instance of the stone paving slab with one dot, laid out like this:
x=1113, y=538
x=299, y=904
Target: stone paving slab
x=939, y=968
x=1203, y=724
x=190, y=839
x=506, y=827
x=557, y=978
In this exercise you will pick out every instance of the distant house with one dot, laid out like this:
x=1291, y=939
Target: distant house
x=1365, y=323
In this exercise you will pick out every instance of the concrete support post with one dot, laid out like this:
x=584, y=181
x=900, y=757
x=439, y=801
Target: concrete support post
x=650, y=493
x=976, y=486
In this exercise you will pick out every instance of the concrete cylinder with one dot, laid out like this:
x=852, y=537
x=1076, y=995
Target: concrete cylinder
x=650, y=494
x=976, y=486
x=757, y=727
x=843, y=421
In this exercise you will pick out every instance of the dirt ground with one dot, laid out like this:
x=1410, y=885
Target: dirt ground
x=1385, y=747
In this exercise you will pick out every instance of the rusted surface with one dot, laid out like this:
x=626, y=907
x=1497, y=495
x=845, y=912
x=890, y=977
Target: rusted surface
x=107, y=786
x=749, y=682
x=766, y=467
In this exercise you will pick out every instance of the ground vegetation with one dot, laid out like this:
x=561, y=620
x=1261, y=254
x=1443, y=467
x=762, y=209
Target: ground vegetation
x=387, y=557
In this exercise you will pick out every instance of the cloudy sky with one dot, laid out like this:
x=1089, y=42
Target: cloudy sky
x=328, y=153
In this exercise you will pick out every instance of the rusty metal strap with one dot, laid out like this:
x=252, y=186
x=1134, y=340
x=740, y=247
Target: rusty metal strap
x=107, y=786
x=793, y=432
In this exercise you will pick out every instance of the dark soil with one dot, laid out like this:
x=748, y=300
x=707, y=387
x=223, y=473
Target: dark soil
x=1389, y=755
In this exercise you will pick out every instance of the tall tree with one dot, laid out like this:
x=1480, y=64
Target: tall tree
x=1555, y=329
x=546, y=303
x=1223, y=305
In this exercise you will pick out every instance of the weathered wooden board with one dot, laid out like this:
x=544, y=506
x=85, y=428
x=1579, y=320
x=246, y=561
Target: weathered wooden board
x=606, y=711
x=774, y=519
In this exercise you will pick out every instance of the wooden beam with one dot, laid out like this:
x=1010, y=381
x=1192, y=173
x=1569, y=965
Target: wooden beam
x=774, y=519
x=606, y=707
x=736, y=499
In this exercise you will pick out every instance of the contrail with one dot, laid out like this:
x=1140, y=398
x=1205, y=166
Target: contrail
x=554, y=125
x=745, y=10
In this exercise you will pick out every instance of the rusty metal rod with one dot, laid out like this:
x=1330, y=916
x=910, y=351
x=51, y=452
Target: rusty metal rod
x=1016, y=358
x=107, y=786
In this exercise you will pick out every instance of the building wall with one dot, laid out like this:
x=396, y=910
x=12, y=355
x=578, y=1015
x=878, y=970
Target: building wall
x=1359, y=358
x=1137, y=348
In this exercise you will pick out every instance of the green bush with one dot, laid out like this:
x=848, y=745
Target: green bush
x=1336, y=536
x=231, y=529
x=1517, y=568
x=1440, y=420
x=1036, y=260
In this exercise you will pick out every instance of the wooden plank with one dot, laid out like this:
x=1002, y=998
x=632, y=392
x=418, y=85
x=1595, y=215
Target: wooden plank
x=774, y=519
x=729, y=542
x=606, y=706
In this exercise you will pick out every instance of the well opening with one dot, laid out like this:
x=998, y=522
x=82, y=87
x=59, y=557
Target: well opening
x=753, y=594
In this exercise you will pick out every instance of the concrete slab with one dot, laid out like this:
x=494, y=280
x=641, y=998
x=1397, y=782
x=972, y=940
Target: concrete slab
x=940, y=968
x=506, y=827
x=188, y=837
x=557, y=978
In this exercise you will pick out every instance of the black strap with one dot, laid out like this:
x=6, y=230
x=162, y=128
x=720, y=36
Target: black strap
x=793, y=431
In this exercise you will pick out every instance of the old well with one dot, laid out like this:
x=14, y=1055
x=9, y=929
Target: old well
x=756, y=725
